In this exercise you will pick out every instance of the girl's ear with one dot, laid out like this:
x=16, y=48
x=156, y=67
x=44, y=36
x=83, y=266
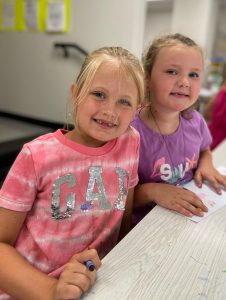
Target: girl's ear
x=73, y=90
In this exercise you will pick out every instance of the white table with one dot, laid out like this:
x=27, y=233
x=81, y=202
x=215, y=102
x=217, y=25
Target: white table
x=167, y=256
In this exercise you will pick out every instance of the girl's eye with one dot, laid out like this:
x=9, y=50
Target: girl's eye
x=194, y=75
x=98, y=94
x=171, y=72
x=125, y=102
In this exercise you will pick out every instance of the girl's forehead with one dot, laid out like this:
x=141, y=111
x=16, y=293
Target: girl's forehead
x=180, y=54
x=112, y=65
x=175, y=50
x=113, y=68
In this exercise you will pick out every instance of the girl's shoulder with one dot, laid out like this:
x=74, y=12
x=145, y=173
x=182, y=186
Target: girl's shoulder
x=41, y=138
x=194, y=121
x=42, y=145
x=47, y=138
x=193, y=116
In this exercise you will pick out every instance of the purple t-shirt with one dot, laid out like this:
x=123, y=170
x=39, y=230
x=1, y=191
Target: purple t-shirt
x=170, y=158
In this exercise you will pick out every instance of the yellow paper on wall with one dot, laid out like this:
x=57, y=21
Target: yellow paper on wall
x=34, y=14
x=57, y=15
x=7, y=15
x=12, y=15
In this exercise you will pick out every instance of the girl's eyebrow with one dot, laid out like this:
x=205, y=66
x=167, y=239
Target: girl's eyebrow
x=103, y=89
x=179, y=66
x=97, y=87
x=197, y=69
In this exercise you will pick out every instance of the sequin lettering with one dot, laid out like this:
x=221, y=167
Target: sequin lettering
x=123, y=191
x=100, y=195
x=95, y=198
x=70, y=198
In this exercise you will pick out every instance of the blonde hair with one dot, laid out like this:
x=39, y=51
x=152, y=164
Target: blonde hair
x=128, y=63
x=163, y=42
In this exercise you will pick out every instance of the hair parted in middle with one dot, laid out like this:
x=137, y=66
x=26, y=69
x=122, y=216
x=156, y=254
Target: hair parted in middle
x=129, y=65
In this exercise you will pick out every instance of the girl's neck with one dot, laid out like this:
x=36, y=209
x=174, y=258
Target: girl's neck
x=75, y=136
x=161, y=122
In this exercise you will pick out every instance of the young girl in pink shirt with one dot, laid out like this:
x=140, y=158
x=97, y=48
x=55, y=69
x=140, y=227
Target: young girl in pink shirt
x=68, y=197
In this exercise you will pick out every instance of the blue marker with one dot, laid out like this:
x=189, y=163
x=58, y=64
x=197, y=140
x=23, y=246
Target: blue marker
x=90, y=265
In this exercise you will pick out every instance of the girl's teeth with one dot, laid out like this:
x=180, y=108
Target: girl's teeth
x=102, y=122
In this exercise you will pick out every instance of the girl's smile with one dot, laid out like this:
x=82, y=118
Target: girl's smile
x=104, y=124
x=179, y=94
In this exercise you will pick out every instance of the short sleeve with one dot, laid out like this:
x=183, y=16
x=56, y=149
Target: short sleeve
x=206, y=135
x=19, y=188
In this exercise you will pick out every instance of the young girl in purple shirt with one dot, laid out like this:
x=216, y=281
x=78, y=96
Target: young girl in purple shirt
x=175, y=139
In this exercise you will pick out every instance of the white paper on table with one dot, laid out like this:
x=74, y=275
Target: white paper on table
x=209, y=197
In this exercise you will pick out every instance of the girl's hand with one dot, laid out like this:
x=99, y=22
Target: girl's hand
x=76, y=279
x=206, y=171
x=181, y=200
x=215, y=179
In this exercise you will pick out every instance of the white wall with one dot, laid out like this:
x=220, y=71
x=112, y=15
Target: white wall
x=158, y=22
x=202, y=20
x=35, y=78
x=219, y=48
x=197, y=19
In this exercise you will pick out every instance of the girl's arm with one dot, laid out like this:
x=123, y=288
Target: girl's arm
x=21, y=280
x=127, y=216
x=206, y=171
x=169, y=196
x=15, y=272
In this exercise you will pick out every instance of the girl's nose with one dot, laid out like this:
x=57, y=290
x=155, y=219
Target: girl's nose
x=111, y=112
x=183, y=82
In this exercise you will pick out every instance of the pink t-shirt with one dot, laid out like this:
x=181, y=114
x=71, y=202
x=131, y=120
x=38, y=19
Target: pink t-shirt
x=74, y=196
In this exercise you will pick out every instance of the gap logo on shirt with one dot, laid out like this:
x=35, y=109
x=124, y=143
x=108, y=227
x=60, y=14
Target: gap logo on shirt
x=95, y=192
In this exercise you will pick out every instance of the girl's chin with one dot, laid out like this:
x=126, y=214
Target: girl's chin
x=180, y=107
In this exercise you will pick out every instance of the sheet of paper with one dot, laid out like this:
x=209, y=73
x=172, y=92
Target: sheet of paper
x=210, y=198
x=8, y=14
x=56, y=16
x=222, y=170
x=31, y=14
